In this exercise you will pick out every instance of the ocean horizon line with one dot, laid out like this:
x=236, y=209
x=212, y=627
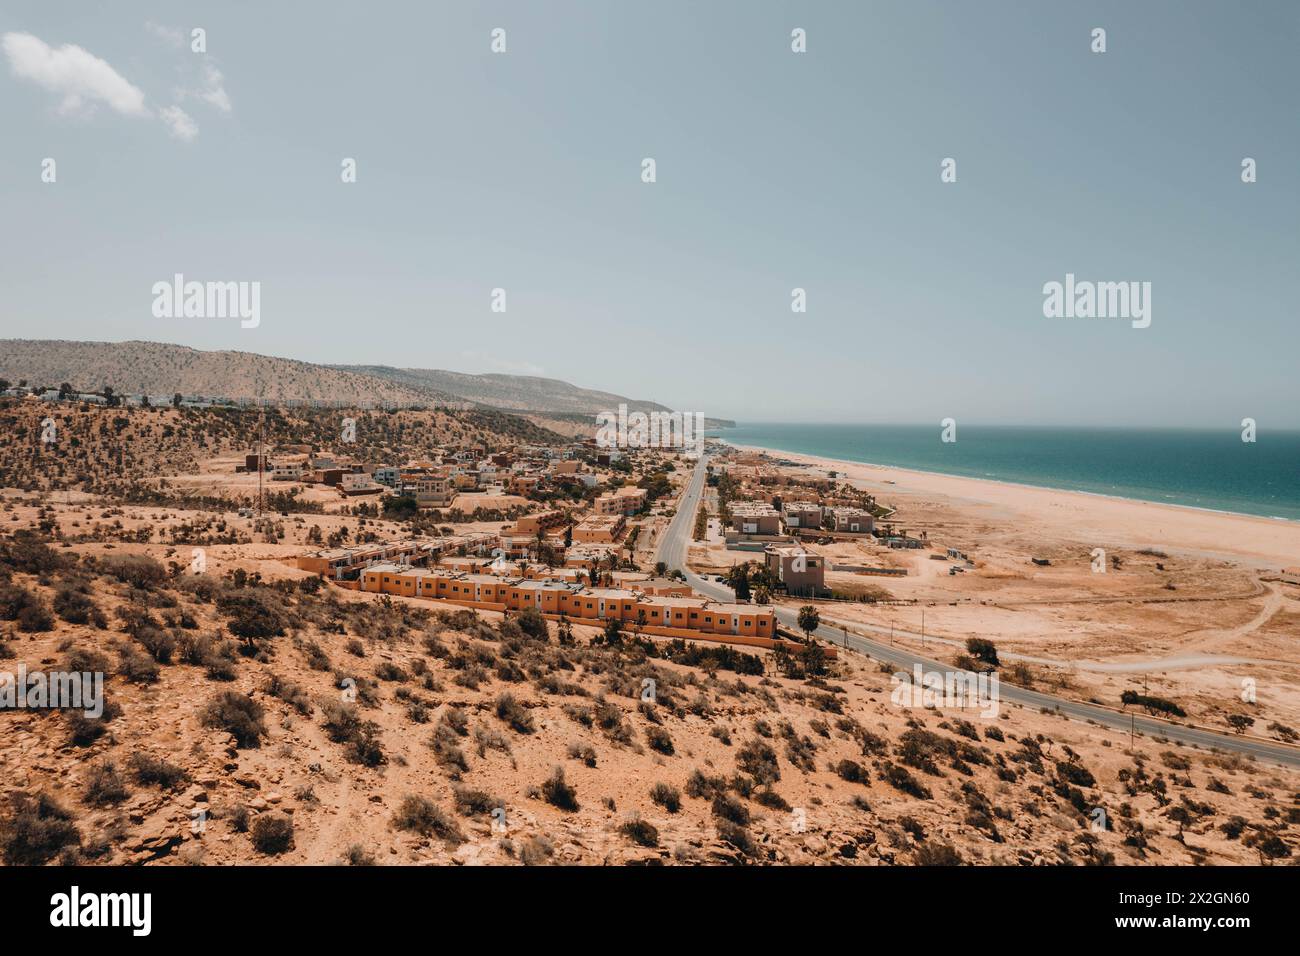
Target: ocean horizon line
x=1013, y=484
x=1209, y=429
x=1208, y=470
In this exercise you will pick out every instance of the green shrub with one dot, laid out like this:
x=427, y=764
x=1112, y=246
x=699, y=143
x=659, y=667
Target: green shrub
x=735, y=835
x=237, y=714
x=901, y=779
x=150, y=771
x=74, y=606
x=136, y=667
x=937, y=854
x=514, y=714
x=640, y=832
x=105, y=786
x=357, y=855
x=471, y=803
x=37, y=830
x=729, y=808
x=84, y=731
x=137, y=570
x=852, y=771
x=532, y=623
x=272, y=834
x=421, y=815
x=659, y=740
x=666, y=796
x=558, y=793
x=758, y=760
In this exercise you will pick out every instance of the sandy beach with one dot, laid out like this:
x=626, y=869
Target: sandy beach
x=1253, y=541
x=1189, y=605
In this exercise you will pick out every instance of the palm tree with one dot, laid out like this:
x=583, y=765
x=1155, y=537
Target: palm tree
x=738, y=580
x=809, y=620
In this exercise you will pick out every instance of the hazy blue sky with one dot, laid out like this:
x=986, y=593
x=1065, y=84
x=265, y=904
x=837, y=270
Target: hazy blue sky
x=775, y=170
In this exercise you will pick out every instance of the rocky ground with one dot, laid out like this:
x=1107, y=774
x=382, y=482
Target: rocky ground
x=263, y=717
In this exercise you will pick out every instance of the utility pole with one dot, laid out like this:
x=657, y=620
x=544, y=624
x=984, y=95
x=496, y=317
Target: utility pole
x=261, y=458
x=923, y=627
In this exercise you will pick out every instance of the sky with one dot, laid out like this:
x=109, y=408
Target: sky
x=774, y=171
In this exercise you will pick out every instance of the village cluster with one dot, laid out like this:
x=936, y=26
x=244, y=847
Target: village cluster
x=573, y=558
x=566, y=562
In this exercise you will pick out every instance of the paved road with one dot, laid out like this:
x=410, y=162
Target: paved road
x=672, y=548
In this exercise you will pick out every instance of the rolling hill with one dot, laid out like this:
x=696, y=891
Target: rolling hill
x=512, y=392
x=157, y=368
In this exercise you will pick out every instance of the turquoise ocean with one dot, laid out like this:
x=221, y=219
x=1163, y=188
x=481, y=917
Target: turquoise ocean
x=1211, y=469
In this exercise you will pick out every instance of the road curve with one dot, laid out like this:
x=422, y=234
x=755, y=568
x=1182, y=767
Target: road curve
x=672, y=549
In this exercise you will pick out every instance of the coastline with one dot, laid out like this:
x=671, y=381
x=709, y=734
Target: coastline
x=1264, y=542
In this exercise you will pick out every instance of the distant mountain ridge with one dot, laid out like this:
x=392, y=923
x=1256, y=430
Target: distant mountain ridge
x=510, y=392
x=158, y=368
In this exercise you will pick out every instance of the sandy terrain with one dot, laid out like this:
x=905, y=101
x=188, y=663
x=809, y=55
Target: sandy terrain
x=847, y=775
x=853, y=778
x=1091, y=520
x=1191, y=611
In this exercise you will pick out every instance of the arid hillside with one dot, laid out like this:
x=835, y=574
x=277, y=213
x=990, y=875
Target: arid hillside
x=516, y=392
x=263, y=716
x=116, y=450
x=161, y=370
x=156, y=368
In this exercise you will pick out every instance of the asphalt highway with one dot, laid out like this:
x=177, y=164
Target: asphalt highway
x=672, y=549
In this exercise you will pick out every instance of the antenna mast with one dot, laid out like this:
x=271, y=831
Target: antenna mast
x=261, y=456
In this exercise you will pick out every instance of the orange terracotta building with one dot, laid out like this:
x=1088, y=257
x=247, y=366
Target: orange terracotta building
x=557, y=598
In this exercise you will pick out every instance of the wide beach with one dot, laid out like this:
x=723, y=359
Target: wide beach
x=1257, y=542
x=1185, y=603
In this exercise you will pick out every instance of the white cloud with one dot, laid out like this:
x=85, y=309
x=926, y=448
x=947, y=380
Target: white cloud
x=181, y=124
x=213, y=91
x=172, y=36
x=80, y=78
x=83, y=80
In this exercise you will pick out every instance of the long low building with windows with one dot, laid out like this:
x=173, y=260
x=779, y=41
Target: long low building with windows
x=560, y=599
x=345, y=563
